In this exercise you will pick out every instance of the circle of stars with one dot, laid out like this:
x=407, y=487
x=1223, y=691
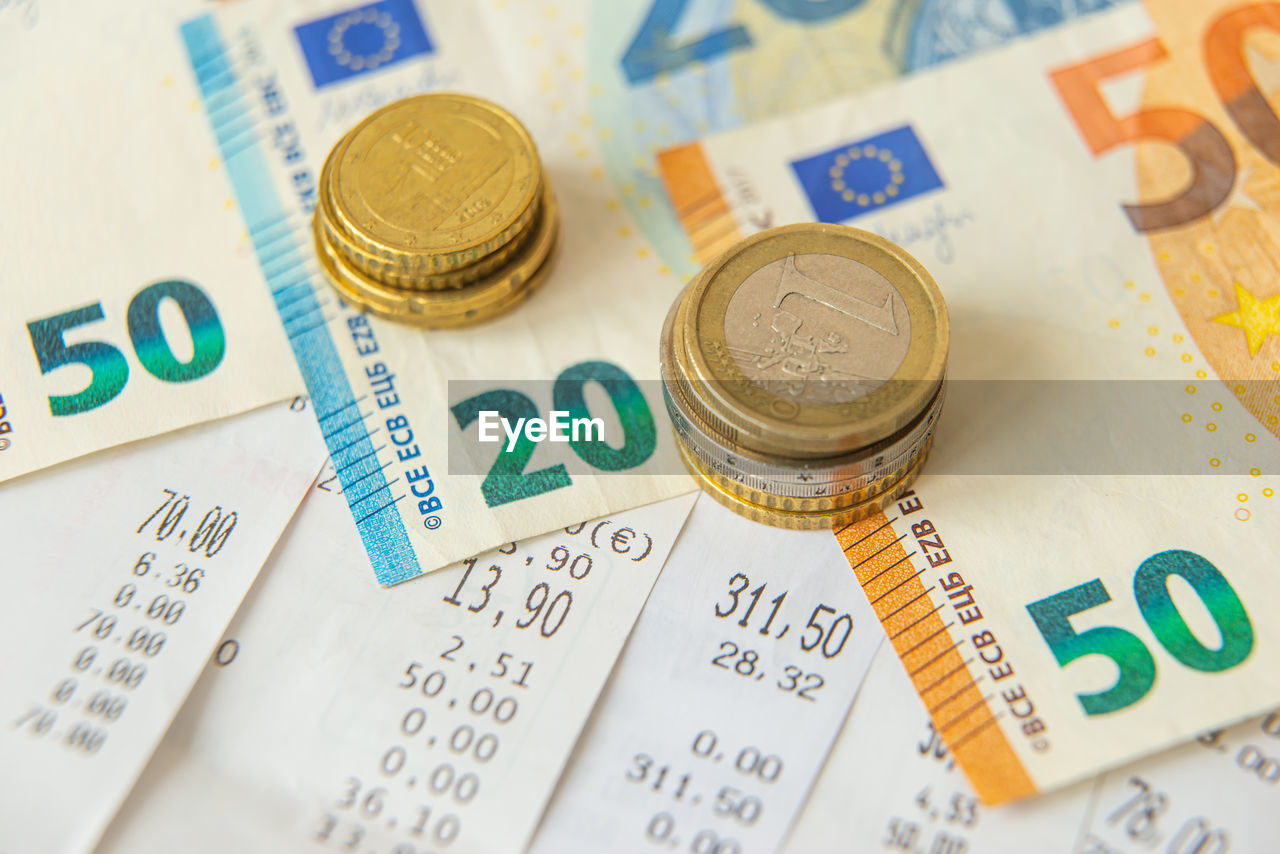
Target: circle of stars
x=867, y=152
x=390, y=40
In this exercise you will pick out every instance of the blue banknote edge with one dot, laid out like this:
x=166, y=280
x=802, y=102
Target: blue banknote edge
x=282, y=255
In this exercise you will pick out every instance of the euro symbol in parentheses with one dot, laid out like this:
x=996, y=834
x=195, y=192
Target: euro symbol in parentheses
x=793, y=281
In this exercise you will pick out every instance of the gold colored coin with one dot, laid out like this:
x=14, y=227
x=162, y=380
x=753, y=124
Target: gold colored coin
x=782, y=513
x=402, y=272
x=811, y=340
x=394, y=273
x=474, y=303
x=434, y=183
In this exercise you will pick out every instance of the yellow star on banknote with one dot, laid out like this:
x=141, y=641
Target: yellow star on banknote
x=1258, y=318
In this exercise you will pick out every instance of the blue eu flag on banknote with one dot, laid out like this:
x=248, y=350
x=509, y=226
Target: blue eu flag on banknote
x=866, y=175
x=360, y=40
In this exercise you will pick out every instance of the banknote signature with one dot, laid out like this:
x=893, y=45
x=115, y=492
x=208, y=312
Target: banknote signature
x=344, y=109
x=934, y=228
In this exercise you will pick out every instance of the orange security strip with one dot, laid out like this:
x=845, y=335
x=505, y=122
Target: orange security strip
x=925, y=646
x=699, y=203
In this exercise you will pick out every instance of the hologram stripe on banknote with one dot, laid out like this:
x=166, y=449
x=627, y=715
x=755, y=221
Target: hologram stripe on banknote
x=933, y=659
x=698, y=200
x=276, y=239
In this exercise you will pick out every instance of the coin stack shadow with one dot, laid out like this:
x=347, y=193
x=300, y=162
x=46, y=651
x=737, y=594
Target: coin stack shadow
x=434, y=211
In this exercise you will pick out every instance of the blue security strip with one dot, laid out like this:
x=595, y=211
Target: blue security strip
x=283, y=254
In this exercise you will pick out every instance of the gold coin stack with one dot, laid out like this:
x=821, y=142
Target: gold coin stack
x=804, y=370
x=434, y=211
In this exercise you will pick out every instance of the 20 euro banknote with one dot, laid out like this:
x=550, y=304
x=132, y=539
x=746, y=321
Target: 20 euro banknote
x=392, y=400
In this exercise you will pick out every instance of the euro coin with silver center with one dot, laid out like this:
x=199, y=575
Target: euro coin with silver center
x=804, y=373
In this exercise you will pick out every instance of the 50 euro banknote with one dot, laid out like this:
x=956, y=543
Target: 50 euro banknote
x=132, y=304
x=1099, y=205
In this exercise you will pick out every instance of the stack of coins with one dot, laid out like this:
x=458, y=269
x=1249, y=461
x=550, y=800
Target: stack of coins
x=803, y=370
x=434, y=211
